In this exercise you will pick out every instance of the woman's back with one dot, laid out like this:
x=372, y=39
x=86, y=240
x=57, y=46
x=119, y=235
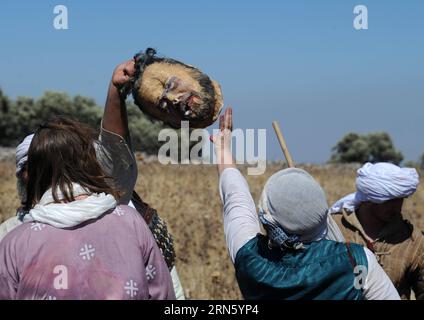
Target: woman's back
x=324, y=270
x=317, y=269
x=112, y=257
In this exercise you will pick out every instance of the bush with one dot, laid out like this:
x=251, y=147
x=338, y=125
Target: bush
x=374, y=147
x=21, y=117
x=16, y=120
x=352, y=148
x=144, y=132
x=382, y=148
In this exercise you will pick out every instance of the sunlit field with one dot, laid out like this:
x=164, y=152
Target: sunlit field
x=187, y=197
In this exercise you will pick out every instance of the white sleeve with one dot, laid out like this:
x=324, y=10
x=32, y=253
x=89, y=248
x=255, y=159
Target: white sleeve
x=378, y=285
x=241, y=222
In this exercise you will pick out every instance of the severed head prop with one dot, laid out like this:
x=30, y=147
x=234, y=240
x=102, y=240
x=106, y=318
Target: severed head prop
x=171, y=91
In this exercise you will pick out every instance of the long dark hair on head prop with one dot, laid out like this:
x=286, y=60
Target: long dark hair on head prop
x=141, y=60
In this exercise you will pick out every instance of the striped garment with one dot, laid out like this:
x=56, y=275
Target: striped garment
x=399, y=250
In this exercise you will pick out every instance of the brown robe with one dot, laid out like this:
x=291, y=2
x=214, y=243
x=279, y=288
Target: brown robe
x=399, y=250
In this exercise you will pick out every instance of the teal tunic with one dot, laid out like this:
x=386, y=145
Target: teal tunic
x=323, y=270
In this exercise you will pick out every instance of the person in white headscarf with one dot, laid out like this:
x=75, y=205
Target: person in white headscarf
x=22, y=153
x=372, y=216
x=378, y=183
x=284, y=251
x=75, y=221
x=116, y=157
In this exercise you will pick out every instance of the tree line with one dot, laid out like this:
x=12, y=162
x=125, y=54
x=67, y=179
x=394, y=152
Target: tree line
x=372, y=147
x=22, y=116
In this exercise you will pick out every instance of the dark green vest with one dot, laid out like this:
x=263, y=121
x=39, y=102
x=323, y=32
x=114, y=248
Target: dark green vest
x=324, y=270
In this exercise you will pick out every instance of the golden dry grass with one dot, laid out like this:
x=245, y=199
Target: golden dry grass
x=187, y=198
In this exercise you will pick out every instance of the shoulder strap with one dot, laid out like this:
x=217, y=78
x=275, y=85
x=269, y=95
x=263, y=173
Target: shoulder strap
x=351, y=257
x=143, y=208
x=158, y=228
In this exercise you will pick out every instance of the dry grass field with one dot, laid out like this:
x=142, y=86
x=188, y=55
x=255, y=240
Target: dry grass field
x=187, y=197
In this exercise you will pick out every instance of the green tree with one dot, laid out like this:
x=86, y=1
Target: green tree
x=15, y=119
x=87, y=111
x=4, y=116
x=4, y=102
x=21, y=117
x=422, y=162
x=374, y=147
x=352, y=148
x=144, y=132
x=381, y=148
x=79, y=108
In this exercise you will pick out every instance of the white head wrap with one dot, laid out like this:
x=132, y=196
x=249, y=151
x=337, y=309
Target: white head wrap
x=22, y=153
x=379, y=183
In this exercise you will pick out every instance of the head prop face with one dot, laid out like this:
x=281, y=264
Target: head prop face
x=172, y=91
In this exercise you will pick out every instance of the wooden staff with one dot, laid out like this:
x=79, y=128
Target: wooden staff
x=283, y=144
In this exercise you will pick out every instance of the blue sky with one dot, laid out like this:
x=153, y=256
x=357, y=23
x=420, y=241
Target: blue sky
x=300, y=62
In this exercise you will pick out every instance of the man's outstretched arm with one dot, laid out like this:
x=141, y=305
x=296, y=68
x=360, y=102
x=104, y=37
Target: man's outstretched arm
x=115, y=113
x=114, y=150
